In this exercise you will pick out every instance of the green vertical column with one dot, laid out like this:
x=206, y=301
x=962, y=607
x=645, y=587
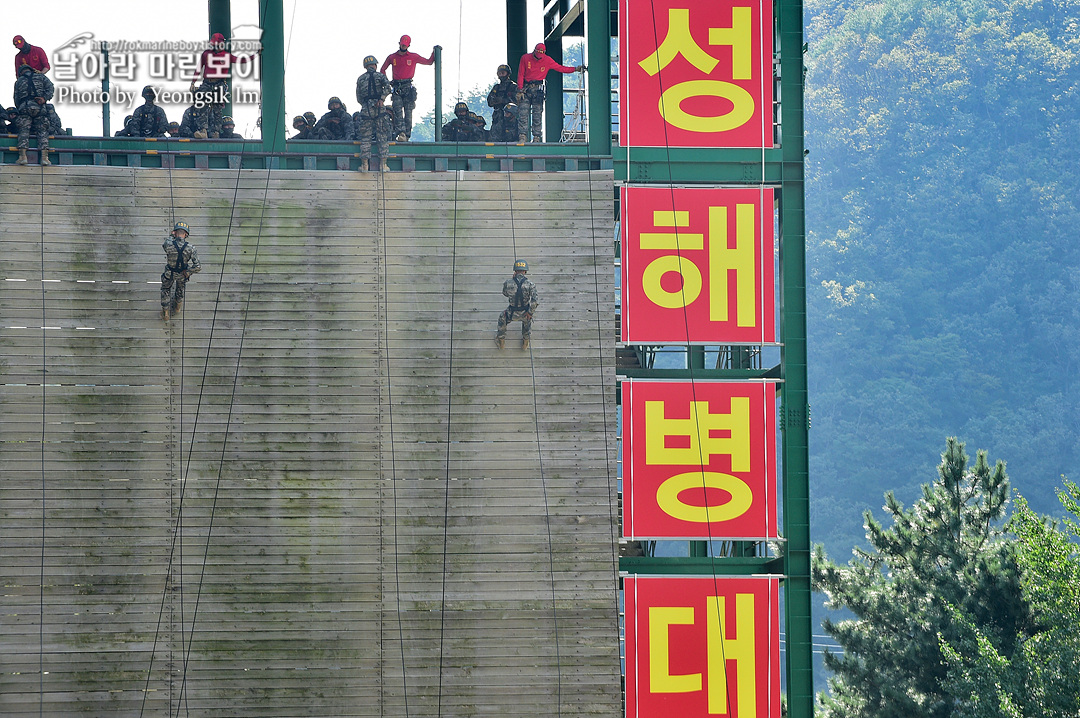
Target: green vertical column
x=438, y=93
x=272, y=22
x=598, y=60
x=517, y=38
x=553, y=102
x=795, y=400
x=219, y=13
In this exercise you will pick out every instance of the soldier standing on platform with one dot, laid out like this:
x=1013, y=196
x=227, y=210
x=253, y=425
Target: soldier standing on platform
x=32, y=91
x=403, y=64
x=215, y=67
x=502, y=94
x=532, y=70
x=181, y=261
x=523, y=300
x=372, y=89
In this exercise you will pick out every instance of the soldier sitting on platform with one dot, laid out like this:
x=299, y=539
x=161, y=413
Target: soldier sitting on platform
x=337, y=124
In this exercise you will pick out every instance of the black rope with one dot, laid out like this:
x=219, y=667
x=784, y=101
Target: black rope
x=540, y=460
x=612, y=490
x=393, y=450
x=449, y=407
x=182, y=698
x=44, y=385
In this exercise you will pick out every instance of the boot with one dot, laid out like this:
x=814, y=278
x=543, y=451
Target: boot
x=363, y=166
x=383, y=167
x=524, y=344
x=43, y=150
x=165, y=313
x=176, y=307
x=500, y=342
x=522, y=139
x=199, y=134
x=401, y=137
x=22, y=156
x=537, y=138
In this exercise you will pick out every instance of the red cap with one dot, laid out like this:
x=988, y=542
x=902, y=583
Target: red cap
x=540, y=46
x=405, y=40
x=18, y=41
x=217, y=37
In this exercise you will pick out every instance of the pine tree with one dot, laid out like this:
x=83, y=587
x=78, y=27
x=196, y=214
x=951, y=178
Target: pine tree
x=1042, y=679
x=945, y=553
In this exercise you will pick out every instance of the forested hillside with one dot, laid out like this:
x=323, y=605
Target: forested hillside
x=943, y=213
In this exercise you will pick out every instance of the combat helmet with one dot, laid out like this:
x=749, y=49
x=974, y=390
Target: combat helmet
x=461, y=108
x=150, y=93
x=299, y=119
x=226, y=120
x=310, y=117
x=332, y=100
x=371, y=60
x=521, y=266
x=183, y=226
x=502, y=67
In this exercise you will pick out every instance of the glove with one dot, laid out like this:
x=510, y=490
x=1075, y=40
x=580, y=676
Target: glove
x=520, y=96
x=528, y=317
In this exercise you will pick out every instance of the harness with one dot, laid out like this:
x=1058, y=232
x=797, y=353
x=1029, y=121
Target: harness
x=181, y=263
x=519, y=305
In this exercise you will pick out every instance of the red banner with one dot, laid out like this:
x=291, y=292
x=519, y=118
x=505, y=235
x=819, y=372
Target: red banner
x=695, y=73
x=697, y=265
x=702, y=647
x=699, y=460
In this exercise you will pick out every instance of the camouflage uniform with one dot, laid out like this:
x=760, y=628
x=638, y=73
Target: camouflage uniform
x=303, y=129
x=208, y=117
x=54, y=120
x=181, y=261
x=335, y=125
x=31, y=115
x=150, y=121
x=523, y=300
x=501, y=95
x=130, y=129
x=7, y=121
x=403, y=102
x=504, y=125
x=372, y=89
x=187, y=123
x=531, y=105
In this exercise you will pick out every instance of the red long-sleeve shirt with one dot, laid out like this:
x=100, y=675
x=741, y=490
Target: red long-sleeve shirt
x=532, y=69
x=404, y=64
x=217, y=64
x=36, y=58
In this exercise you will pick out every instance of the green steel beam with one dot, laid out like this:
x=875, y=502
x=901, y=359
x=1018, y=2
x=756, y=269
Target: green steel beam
x=598, y=59
x=438, y=93
x=553, y=86
x=715, y=166
x=517, y=38
x=793, y=392
x=219, y=14
x=702, y=565
x=272, y=22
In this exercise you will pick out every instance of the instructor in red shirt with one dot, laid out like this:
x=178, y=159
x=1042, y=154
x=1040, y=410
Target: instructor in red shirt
x=532, y=70
x=30, y=55
x=403, y=95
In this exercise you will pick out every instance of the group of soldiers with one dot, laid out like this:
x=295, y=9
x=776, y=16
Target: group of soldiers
x=149, y=120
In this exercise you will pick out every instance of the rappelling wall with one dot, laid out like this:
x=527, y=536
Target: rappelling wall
x=321, y=490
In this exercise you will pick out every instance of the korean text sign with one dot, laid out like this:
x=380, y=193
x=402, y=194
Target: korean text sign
x=697, y=265
x=695, y=73
x=702, y=647
x=699, y=459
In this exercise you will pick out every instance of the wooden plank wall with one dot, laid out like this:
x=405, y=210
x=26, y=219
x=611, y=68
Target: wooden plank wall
x=322, y=490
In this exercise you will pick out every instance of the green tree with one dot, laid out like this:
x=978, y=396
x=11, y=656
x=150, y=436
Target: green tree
x=948, y=550
x=1042, y=678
